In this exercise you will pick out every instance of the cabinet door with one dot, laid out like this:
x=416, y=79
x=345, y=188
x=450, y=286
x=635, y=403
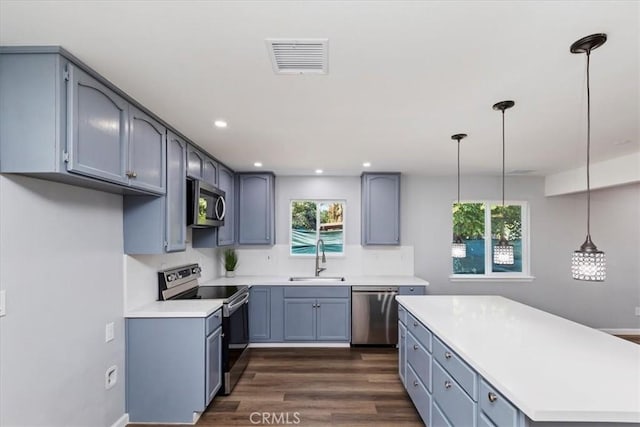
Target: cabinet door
x=255, y=209
x=226, y=233
x=210, y=172
x=97, y=128
x=333, y=319
x=195, y=163
x=176, y=197
x=259, y=313
x=299, y=319
x=147, y=151
x=213, y=364
x=402, y=352
x=381, y=209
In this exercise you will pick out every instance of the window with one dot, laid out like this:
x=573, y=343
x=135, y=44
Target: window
x=317, y=219
x=480, y=229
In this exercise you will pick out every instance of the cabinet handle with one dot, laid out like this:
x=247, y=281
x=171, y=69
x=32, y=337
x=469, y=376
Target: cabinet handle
x=415, y=323
x=216, y=316
x=318, y=305
x=492, y=397
x=415, y=383
x=447, y=355
x=415, y=346
x=132, y=174
x=410, y=289
x=447, y=384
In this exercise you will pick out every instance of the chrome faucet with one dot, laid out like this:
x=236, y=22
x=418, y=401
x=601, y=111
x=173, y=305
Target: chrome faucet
x=324, y=258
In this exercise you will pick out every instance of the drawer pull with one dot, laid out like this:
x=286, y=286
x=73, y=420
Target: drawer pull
x=492, y=397
x=447, y=384
x=415, y=346
x=217, y=316
x=415, y=323
x=415, y=383
x=447, y=355
x=411, y=289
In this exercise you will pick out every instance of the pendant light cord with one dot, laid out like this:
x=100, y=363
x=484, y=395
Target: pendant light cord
x=503, y=162
x=588, y=149
x=458, y=172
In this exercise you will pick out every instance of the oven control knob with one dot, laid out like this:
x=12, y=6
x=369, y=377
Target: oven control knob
x=169, y=277
x=195, y=270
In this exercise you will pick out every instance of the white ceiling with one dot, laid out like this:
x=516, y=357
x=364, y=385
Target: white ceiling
x=403, y=77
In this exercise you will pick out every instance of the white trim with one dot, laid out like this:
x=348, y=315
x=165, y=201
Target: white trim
x=122, y=421
x=299, y=344
x=621, y=331
x=609, y=173
x=489, y=278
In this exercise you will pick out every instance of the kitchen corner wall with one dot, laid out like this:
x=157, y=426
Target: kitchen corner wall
x=61, y=266
x=141, y=271
x=357, y=261
x=557, y=227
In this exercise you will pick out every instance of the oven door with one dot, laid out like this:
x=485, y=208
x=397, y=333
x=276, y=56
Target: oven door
x=235, y=342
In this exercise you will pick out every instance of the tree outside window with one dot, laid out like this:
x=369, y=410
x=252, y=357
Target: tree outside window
x=315, y=219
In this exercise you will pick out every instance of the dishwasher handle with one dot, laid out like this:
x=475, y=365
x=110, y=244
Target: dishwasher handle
x=374, y=289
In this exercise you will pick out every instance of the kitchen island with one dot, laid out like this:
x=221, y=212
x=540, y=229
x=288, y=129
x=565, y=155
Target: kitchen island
x=487, y=360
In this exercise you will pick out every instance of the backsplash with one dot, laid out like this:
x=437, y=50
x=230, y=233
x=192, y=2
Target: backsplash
x=141, y=271
x=357, y=261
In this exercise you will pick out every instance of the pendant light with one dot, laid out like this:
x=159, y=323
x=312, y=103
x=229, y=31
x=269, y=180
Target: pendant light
x=503, y=251
x=458, y=247
x=588, y=263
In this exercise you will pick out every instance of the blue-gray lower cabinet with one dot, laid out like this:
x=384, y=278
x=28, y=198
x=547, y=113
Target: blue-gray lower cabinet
x=300, y=319
x=266, y=314
x=172, y=367
x=411, y=290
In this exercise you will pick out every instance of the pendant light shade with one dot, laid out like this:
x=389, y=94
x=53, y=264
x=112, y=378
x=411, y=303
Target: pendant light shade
x=503, y=251
x=588, y=263
x=458, y=247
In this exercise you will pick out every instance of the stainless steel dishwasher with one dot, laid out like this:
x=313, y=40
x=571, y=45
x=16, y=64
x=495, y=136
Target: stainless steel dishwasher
x=374, y=315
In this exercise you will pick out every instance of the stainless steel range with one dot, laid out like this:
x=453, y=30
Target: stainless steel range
x=182, y=283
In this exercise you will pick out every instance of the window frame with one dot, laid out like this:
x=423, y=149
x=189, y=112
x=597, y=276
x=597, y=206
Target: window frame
x=489, y=275
x=318, y=202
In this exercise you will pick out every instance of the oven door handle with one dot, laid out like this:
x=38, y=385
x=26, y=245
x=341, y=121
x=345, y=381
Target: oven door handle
x=231, y=308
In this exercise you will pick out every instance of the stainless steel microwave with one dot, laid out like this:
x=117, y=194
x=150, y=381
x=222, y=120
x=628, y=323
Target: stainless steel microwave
x=206, y=206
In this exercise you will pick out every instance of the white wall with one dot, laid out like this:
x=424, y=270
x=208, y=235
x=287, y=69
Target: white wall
x=61, y=266
x=557, y=229
x=141, y=271
x=357, y=260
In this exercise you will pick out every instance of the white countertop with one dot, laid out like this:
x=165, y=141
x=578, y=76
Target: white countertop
x=551, y=368
x=177, y=308
x=349, y=281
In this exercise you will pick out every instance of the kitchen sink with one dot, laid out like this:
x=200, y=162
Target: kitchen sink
x=316, y=279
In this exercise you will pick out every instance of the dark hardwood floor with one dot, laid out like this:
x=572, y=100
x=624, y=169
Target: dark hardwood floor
x=316, y=387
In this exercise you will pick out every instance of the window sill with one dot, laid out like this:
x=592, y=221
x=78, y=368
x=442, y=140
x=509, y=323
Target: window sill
x=486, y=278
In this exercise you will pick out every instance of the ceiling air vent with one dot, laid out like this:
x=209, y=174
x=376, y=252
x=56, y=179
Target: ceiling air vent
x=299, y=56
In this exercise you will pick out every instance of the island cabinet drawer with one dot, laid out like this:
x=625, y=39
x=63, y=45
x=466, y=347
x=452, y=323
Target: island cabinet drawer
x=213, y=321
x=455, y=404
x=418, y=330
x=419, y=395
x=456, y=367
x=496, y=407
x=402, y=315
x=317, y=291
x=420, y=360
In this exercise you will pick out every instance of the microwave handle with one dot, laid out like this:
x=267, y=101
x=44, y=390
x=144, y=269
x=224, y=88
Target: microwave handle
x=219, y=215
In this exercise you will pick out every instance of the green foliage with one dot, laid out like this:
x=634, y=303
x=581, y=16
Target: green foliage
x=512, y=218
x=202, y=209
x=230, y=258
x=468, y=220
x=303, y=215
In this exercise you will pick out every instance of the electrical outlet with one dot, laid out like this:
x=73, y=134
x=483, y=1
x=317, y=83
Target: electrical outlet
x=3, y=303
x=111, y=377
x=108, y=332
x=637, y=311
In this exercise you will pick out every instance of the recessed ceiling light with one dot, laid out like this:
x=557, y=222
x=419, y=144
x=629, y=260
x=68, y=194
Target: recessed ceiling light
x=319, y=171
x=258, y=164
x=220, y=124
x=366, y=164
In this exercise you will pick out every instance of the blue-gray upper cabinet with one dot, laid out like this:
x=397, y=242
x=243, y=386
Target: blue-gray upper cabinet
x=155, y=225
x=98, y=128
x=226, y=182
x=256, y=208
x=63, y=122
x=210, y=172
x=195, y=162
x=380, y=209
x=147, y=152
